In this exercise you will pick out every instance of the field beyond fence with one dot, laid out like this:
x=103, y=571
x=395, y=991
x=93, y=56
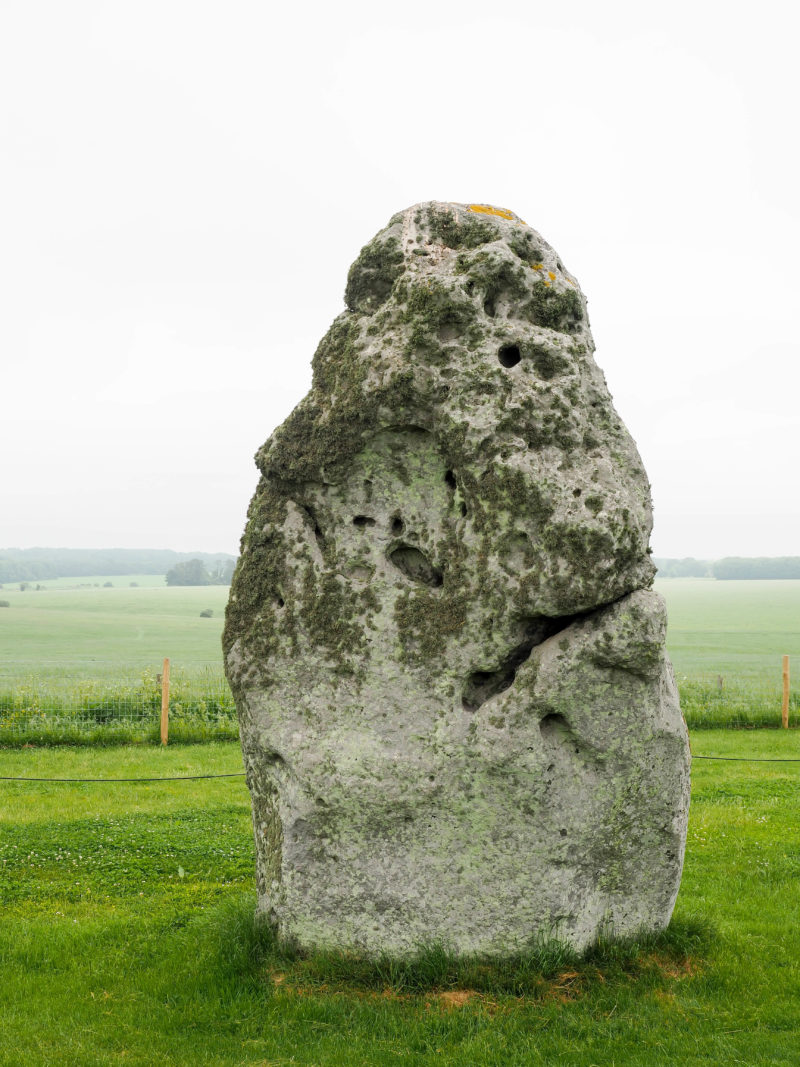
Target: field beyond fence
x=80, y=665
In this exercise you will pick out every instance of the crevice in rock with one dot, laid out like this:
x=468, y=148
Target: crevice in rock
x=416, y=566
x=481, y=686
x=315, y=526
x=363, y=520
x=450, y=479
x=409, y=429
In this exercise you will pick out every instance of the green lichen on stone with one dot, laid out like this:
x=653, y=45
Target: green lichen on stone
x=594, y=503
x=456, y=231
x=495, y=276
x=434, y=313
x=556, y=309
x=427, y=621
x=261, y=573
x=548, y=362
x=269, y=835
x=331, y=613
x=524, y=245
x=371, y=277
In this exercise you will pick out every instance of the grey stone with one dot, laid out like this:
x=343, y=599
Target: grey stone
x=458, y=719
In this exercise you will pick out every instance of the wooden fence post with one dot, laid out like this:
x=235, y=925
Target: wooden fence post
x=785, y=706
x=165, y=702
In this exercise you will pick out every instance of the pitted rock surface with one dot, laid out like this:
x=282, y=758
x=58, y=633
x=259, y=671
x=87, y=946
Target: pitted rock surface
x=458, y=719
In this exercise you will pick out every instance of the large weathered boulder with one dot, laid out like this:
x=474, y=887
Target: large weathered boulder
x=458, y=719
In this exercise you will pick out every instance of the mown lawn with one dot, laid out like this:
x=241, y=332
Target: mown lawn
x=127, y=937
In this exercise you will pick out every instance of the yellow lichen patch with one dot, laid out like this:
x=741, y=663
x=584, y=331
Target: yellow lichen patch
x=537, y=266
x=546, y=282
x=487, y=209
x=551, y=276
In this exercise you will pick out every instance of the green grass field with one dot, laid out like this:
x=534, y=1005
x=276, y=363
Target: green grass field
x=726, y=641
x=62, y=634
x=99, y=649
x=736, y=629
x=127, y=938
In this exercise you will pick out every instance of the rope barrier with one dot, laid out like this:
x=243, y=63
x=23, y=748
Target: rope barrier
x=240, y=774
x=748, y=759
x=180, y=778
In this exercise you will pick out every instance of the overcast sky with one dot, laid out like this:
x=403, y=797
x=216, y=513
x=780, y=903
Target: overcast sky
x=183, y=186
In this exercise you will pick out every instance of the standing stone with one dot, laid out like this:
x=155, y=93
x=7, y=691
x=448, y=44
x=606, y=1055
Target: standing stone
x=458, y=719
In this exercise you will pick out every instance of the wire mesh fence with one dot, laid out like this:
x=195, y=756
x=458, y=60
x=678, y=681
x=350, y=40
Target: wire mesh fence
x=201, y=708
x=718, y=701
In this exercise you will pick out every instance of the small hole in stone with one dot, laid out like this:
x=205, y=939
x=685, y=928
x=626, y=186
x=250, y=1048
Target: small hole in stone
x=563, y=832
x=463, y=508
x=469, y=288
x=367, y=483
x=509, y=355
x=450, y=478
x=363, y=520
x=576, y=492
x=280, y=601
x=554, y=727
x=490, y=307
x=559, y=264
x=416, y=566
x=397, y=526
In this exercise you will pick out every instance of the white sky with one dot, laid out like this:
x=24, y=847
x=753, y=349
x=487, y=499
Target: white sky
x=183, y=186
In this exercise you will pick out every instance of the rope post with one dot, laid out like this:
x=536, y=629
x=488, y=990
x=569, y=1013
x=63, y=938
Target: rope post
x=165, y=702
x=785, y=705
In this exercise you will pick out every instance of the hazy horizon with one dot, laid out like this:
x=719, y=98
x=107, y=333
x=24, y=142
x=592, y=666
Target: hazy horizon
x=184, y=189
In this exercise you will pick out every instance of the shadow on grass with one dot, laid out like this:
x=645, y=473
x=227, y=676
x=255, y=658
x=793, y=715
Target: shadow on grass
x=247, y=954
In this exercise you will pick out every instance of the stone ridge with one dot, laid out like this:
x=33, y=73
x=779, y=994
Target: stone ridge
x=444, y=579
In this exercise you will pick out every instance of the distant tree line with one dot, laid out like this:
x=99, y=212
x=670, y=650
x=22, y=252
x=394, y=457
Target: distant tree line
x=195, y=572
x=33, y=564
x=731, y=567
x=684, y=568
x=757, y=567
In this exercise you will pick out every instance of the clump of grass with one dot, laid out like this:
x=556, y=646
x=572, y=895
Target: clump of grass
x=250, y=951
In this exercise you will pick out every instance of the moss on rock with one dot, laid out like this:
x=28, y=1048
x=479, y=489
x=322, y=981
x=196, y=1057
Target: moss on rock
x=437, y=628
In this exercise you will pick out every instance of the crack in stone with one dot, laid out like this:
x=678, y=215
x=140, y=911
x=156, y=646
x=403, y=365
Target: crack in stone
x=315, y=526
x=481, y=686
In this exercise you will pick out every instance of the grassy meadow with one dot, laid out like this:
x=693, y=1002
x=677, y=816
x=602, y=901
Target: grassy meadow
x=65, y=631
x=726, y=640
x=79, y=660
x=127, y=937
x=739, y=629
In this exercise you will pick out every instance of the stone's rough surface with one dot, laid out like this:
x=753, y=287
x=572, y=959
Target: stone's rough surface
x=458, y=720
